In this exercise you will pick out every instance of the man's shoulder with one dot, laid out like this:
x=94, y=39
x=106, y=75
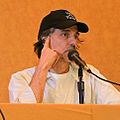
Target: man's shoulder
x=21, y=78
x=93, y=68
x=27, y=72
x=99, y=74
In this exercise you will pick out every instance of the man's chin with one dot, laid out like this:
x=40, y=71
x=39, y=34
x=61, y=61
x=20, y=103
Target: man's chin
x=64, y=58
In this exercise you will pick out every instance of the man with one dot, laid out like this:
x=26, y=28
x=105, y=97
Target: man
x=55, y=78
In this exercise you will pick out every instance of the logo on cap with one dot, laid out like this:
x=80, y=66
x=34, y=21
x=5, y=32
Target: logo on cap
x=70, y=16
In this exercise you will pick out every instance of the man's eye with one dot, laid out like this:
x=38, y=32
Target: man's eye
x=65, y=35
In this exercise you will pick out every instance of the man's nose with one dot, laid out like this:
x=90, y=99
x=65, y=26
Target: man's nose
x=72, y=40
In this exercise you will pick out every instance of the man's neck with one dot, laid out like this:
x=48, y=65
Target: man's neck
x=60, y=67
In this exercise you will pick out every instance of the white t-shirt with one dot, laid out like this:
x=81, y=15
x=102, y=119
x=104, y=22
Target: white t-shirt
x=62, y=88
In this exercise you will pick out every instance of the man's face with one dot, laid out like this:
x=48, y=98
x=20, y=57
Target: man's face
x=61, y=40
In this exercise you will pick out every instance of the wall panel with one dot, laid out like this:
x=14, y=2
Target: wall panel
x=19, y=24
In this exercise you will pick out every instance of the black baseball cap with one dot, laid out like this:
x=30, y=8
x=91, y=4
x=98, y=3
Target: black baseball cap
x=61, y=19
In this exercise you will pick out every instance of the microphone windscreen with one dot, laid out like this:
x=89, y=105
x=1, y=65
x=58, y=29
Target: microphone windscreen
x=72, y=53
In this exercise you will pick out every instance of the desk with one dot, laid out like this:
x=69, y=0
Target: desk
x=60, y=112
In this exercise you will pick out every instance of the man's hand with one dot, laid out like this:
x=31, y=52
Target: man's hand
x=48, y=56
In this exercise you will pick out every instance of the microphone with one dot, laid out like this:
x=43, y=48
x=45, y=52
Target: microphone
x=73, y=55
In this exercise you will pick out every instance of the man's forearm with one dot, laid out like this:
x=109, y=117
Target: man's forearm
x=38, y=83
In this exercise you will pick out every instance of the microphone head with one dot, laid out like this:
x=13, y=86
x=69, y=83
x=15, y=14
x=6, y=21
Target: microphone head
x=72, y=53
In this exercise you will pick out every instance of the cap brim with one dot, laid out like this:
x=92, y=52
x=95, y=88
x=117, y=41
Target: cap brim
x=82, y=27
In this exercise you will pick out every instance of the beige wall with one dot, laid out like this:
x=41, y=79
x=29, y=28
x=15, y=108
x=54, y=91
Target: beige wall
x=19, y=23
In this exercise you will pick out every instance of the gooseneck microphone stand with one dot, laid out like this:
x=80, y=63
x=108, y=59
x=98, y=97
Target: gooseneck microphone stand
x=73, y=55
x=80, y=85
